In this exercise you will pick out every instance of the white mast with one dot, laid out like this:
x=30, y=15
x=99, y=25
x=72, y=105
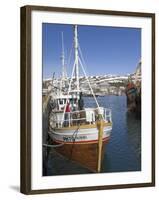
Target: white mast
x=76, y=57
x=64, y=76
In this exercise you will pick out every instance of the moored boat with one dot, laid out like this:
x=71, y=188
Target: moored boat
x=78, y=132
x=133, y=92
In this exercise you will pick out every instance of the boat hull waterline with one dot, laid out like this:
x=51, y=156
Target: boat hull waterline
x=78, y=135
x=82, y=147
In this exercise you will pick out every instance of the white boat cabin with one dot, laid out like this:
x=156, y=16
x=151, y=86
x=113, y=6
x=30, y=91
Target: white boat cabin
x=77, y=114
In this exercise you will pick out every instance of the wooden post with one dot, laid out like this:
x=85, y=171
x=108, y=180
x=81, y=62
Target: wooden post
x=100, y=143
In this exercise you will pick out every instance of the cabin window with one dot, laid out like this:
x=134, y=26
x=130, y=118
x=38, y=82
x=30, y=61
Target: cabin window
x=60, y=101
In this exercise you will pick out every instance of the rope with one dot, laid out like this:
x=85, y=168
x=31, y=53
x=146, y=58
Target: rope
x=86, y=74
x=89, y=83
x=59, y=145
x=69, y=58
x=82, y=58
x=53, y=145
x=74, y=139
x=68, y=92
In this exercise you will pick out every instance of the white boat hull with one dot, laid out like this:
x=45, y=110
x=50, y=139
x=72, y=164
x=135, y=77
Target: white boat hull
x=78, y=135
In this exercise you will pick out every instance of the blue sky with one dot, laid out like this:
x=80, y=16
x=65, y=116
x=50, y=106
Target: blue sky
x=106, y=50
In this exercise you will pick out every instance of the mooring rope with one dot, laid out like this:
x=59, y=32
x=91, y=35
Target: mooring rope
x=74, y=135
x=53, y=145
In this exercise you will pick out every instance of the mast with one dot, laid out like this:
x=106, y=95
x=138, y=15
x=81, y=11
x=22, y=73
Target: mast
x=76, y=57
x=63, y=58
x=63, y=74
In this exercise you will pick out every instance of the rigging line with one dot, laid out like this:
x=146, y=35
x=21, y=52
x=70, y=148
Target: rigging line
x=82, y=57
x=74, y=135
x=70, y=55
x=53, y=145
x=86, y=72
x=68, y=92
x=89, y=83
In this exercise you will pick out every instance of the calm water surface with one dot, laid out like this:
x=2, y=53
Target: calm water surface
x=123, y=152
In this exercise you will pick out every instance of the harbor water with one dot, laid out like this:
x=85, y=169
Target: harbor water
x=122, y=153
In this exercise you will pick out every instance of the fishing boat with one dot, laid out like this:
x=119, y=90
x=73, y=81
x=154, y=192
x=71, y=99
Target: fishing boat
x=133, y=92
x=79, y=133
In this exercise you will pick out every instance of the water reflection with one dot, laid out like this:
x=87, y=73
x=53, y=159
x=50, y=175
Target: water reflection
x=123, y=152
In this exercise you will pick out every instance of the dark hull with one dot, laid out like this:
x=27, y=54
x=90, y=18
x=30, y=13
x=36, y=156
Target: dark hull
x=134, y=100
x=84, y=154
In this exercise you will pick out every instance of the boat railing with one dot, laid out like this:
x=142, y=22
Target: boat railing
x=107, y=114
x=86, y=116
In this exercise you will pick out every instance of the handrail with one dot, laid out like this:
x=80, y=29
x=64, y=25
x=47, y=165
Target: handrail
x=69, y=120
x=78, y=111
x=60, y=122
